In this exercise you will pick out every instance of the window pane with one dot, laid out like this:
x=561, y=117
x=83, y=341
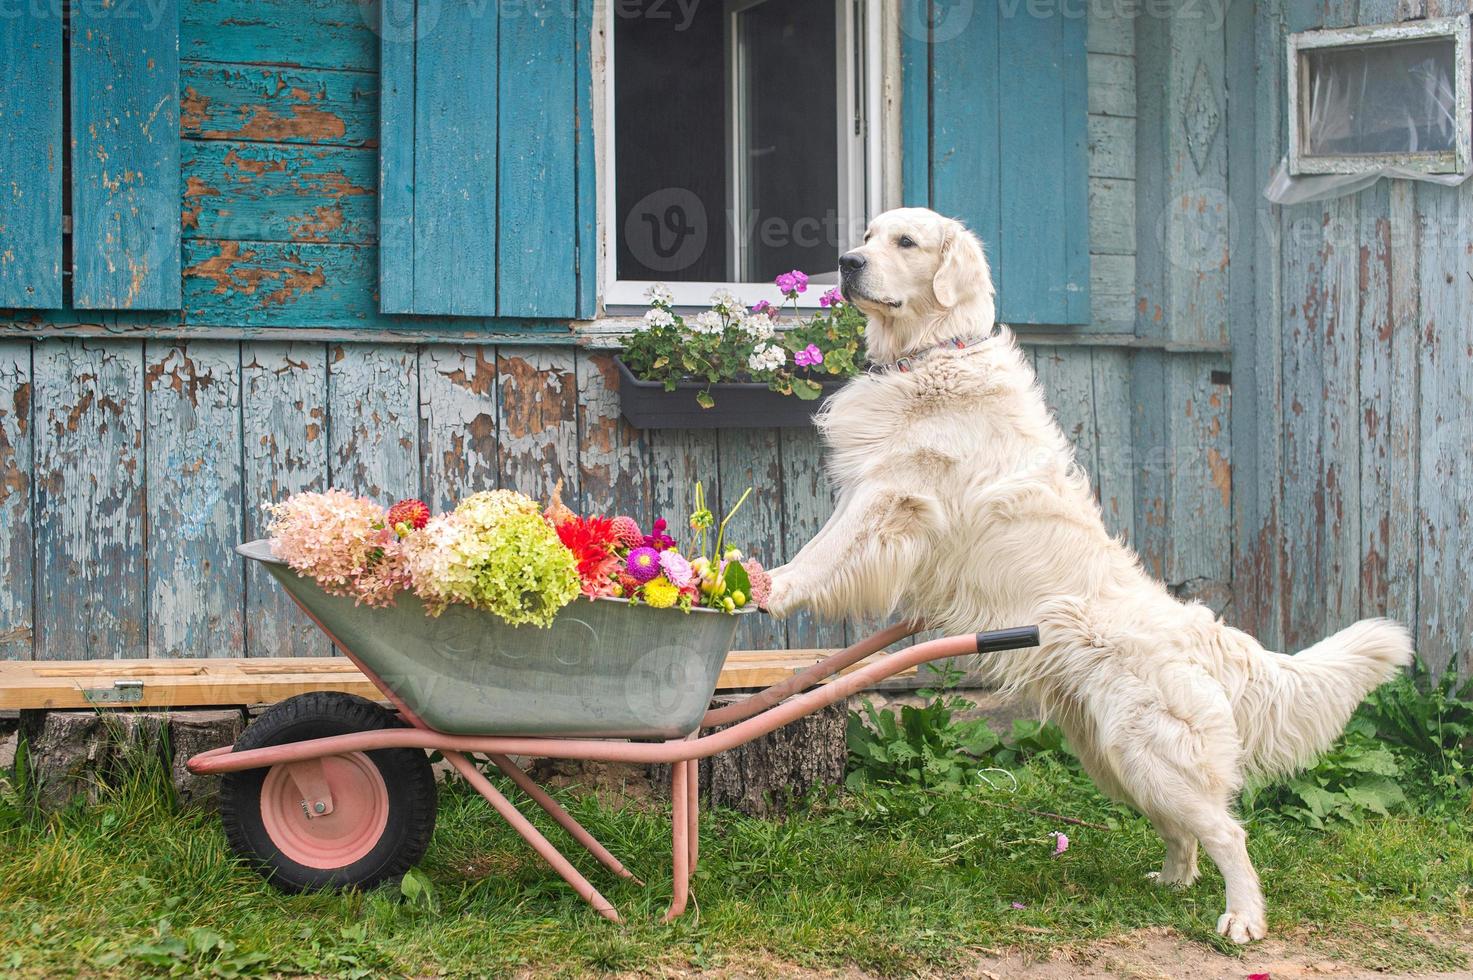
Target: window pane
x=1381, y=98
x=789, y=149
x=670, y=141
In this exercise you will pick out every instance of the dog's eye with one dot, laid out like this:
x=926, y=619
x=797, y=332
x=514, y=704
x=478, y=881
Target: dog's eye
x=906, y=242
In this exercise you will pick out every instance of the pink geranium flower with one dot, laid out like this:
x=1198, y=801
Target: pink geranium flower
x=831, y=298
x=792, y=283
x=808, y=356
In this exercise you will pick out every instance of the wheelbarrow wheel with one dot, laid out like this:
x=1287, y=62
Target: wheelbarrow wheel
x=382, y=802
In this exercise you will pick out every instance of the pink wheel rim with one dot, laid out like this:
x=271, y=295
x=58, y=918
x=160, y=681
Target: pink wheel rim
x=360, y=802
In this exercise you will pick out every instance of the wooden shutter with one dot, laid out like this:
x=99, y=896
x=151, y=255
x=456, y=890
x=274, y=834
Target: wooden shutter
x=996, y=111
x=30, y=157
x=125, y=156
x=486, y=176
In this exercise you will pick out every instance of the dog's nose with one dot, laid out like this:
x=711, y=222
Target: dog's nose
x=851, y=262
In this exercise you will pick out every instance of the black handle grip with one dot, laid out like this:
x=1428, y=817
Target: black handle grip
x=1016, y=638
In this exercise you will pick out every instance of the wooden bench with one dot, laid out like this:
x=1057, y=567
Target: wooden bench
x=208, y=682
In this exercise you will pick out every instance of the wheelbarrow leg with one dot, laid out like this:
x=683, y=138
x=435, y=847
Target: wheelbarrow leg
x=693, y=785
x=563, y=817
x=680, y=839
x=532, y=836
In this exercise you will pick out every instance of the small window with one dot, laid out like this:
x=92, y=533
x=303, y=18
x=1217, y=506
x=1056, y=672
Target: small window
x=740, y=143
x=1368, y=98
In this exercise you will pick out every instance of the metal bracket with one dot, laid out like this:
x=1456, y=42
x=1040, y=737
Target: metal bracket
x=311, y=783
x=122, y=692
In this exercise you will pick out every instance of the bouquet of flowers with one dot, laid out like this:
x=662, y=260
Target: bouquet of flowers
x=501, y=552
x=729, y=342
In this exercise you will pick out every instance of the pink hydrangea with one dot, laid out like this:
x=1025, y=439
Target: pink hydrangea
x=761, y=581
x=340, y=541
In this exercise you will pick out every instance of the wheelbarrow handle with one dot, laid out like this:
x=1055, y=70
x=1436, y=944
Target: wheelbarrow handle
x=1015, y=638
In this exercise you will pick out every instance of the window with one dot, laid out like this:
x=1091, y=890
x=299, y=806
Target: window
x=741, y=144
x=1392, y=96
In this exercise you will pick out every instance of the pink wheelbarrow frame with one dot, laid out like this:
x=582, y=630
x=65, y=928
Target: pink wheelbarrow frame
x=748, y=719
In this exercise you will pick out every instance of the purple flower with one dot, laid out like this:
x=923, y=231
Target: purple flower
x=643, y=563
x=1061, y=843
x=1019, y=905
x=762, y=306
x=831, y=298
x=808, y=356
x=657, y=538
x=792, y=283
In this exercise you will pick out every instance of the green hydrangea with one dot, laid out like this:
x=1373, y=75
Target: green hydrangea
x=494, y=552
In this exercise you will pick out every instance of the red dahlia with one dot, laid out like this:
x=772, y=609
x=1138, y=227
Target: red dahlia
x=413, y=513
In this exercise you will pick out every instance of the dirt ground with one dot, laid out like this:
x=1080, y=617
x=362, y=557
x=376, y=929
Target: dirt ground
x=1149, y=954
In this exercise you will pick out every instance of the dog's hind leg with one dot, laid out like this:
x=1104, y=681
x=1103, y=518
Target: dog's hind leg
x=1180, y=867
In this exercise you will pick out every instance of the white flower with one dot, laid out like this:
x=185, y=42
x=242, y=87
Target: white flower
x=724, y=301
x=709, y=322
x=767, y=357
x=659, y=294
x=658, y=316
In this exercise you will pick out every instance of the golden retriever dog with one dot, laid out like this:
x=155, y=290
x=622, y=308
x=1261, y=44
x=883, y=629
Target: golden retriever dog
x=960, y=505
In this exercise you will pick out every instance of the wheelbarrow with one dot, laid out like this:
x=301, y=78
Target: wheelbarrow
x=329, y=790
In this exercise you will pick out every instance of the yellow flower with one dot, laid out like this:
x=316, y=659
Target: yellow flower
x=660, y=593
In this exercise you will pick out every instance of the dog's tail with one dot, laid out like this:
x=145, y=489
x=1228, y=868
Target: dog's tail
x=1291, y=708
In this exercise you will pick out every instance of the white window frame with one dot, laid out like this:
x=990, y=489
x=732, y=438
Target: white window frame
x=862, y=59
x=1455, y=161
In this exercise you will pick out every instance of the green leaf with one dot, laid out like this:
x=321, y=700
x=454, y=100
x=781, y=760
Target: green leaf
x=806, y=390
x=704, y=399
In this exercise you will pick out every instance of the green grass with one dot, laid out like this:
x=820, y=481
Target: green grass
x=132, y=886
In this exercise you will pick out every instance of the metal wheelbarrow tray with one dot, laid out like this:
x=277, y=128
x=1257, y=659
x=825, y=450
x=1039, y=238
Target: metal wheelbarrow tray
x=328, y=790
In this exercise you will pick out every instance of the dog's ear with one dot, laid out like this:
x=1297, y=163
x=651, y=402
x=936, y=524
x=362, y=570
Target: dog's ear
x=962, y=265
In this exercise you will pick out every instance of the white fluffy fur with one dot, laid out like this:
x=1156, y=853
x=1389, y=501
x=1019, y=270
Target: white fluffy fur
x=960, y=504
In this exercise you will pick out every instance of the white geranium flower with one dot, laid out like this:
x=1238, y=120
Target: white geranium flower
x=659, y=294
x=709, y=322
x=767, y=357
x=725, y=301
x=658, y=316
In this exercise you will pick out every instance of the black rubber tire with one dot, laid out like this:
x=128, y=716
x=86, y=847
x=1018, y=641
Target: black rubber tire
x=406, y=774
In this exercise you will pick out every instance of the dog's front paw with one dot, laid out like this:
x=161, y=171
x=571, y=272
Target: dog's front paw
x=782, y=597
x=1242, y=927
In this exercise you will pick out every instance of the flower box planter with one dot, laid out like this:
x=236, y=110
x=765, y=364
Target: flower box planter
x=739, y=405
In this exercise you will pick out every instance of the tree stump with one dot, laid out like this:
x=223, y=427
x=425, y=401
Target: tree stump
x=193, y=732
x=765, y=777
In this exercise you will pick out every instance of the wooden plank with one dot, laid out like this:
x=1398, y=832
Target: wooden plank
x=396, y=157
x=278, y=192
x=457, y=422
x=17, y=556
x=1111, y=30
x=679, y=458
x=1072, y=165
x=30, y=158
x=285, y=451
x=1067, y=377
x=272, y=104
x=1112, y=217
x=43, y=686
x=299, y=33
x=91, y=597
x=537, y=392
x=590, y=60
x=1338, y=410
x=373, y=421
x=125, y=158
x=1111, y=84
x=966, y=171
x=753, y=458
x=612, y=454
x=1112, y=290
x=269, y=282
x=536, y=211
x=1151, y=458
x=192, y=439
x=455, y=166
x=1112, y=147
x=1115, y=469
x=807, y=503
x=1199, y=487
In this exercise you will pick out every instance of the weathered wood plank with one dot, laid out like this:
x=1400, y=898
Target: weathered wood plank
x=285, y=449
x=1067, y=377
x=301, y=33
x=455, y=173
x=1112, y=218
x=396, y=156
x=125, y=158
x=807, y=503
x=278, y=192
x=30, y=158
x=268, y=282
x=537, y=392
x=1338, y=408
x=272, y=104
x=1115, y=472
x=1111, y=84
x=1112, y=146
x=17, y=557
x=536, y=214
x=457, y=422
x=679, y=458
x=196, y=585
x=1112, y=290
x=753, y=458
x=966, y=173
x=1199, y=494
x=373, y=421
x=89, y=500
x=612, y=471
x=1111, y=30
x=590, y=59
